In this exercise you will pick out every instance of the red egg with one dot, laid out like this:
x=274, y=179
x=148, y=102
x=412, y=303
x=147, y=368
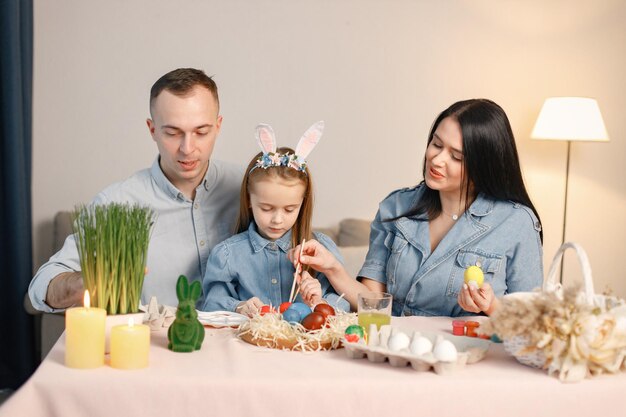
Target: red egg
x=313, y=321
x=324, y=309
x=266, y=309
x=284, y=306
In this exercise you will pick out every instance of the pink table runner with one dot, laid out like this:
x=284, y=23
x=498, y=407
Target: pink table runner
x=228, y=377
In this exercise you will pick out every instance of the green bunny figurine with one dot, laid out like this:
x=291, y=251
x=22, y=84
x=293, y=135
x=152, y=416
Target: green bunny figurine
x=186, y=333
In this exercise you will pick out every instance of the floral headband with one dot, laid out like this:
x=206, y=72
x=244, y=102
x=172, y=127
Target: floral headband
x=267, y=141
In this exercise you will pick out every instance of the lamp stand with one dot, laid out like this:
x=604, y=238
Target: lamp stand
x=569, y=144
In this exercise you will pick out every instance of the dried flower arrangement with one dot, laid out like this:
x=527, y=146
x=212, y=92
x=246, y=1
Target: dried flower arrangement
x=564, y=333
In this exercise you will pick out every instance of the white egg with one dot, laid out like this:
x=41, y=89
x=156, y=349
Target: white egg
x=445, y=351
x=420, y=345
x=398, y=341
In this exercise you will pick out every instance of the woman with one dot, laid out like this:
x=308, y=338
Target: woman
x=471, y=209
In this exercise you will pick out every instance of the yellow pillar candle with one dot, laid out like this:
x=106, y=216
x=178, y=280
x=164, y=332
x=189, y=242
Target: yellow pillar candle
x=130, y=346
x=84, y=336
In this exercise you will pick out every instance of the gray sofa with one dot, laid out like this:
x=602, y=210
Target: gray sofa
x=49, y=326
x=351, y=236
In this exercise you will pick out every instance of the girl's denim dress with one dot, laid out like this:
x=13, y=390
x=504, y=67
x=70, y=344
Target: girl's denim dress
x=248, y=265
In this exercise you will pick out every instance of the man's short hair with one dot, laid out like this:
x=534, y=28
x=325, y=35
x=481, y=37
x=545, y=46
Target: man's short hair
x=181, y=81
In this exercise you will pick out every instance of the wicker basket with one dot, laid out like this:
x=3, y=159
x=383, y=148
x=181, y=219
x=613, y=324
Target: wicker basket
x=518, y=346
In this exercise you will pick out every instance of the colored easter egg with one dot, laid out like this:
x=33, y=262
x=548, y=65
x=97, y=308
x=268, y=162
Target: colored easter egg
x=266, y=309
x=302, y=308
x=313, y=321
x=475, y=274
x=352, y=338
x=355, y=329
x=284, y=306
x=291, y=315
x=325, y=309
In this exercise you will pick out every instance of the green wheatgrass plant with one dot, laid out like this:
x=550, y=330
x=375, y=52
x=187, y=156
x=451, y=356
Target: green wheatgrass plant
x=112, y=242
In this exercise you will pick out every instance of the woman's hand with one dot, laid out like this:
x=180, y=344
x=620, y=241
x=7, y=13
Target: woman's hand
x=315, y=255
x=320, y=259
x=310, y=288
x=250, y=307
x=477, y=300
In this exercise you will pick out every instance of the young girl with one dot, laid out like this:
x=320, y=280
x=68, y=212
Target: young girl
x=251, y=269
x=472, y=209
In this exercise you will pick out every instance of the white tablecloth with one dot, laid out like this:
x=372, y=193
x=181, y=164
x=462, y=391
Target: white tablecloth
x=228, y=377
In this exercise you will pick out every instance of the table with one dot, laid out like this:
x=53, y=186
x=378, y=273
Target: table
x=229, y=377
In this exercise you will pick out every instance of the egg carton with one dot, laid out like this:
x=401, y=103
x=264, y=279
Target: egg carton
x=469, y=350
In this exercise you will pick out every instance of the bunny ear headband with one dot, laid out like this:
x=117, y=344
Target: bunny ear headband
x=267, y=141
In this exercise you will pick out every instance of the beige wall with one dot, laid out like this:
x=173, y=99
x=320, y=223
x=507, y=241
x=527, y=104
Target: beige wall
x=377, y=72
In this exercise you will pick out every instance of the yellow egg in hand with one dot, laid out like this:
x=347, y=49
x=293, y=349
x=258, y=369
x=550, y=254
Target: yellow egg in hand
x=474, y=273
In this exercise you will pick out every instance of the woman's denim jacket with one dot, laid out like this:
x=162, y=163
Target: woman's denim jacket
x=502, y=237
x=248, y=265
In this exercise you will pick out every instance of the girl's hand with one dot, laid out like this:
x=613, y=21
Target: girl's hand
x=476, y=300
x=250, y=307
x=310, y=288
x=314, y=255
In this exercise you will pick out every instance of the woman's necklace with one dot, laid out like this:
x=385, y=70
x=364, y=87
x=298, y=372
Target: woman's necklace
x=454, y=217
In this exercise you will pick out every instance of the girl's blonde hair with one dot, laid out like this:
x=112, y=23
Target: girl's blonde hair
x=302, y=227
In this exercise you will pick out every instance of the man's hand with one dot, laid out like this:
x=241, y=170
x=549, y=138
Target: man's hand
x=65, y=290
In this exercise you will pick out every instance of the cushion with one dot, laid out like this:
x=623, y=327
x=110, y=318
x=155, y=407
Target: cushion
x=354, y=232
x=354, y=256
x=328, y=231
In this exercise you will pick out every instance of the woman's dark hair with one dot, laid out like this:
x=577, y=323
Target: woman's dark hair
x=491, y=162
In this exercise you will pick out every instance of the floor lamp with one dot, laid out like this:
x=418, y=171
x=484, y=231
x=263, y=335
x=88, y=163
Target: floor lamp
x=569, y=119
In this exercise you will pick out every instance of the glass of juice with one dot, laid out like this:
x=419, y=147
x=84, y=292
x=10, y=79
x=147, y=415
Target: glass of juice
x=374, y=308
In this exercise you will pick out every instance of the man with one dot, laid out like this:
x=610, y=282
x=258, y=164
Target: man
x=196, y=199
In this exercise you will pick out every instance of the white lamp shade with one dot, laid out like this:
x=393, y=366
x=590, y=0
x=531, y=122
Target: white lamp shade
x=570, y=118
